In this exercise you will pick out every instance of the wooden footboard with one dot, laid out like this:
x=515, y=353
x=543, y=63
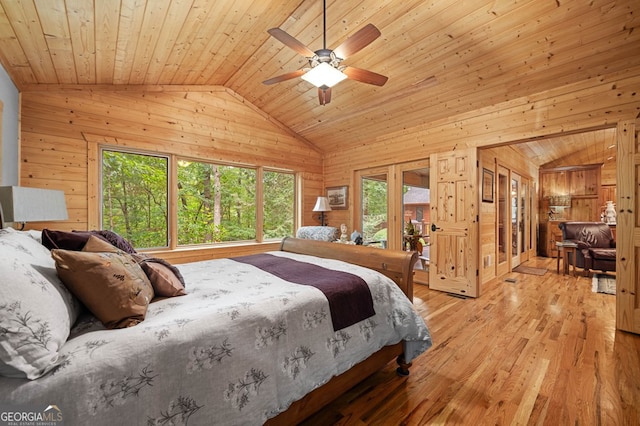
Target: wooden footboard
x=315, y=400
x=398, y=266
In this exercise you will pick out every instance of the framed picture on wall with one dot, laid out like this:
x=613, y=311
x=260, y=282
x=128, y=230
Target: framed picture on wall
x=338, y=197
x=487, y=185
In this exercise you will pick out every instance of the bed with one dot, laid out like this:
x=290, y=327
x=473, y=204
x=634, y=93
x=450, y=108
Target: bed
x=244, y=345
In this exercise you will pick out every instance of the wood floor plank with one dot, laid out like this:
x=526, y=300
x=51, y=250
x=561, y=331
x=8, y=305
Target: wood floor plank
x=541, y=351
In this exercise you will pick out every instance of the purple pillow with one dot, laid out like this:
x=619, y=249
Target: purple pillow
x=115, y=239
x=77, y=239
x=65, y=240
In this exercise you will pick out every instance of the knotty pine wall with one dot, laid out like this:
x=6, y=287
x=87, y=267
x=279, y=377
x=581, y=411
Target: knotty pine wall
x=515, y=162
x=587, y=105
x=58, y=124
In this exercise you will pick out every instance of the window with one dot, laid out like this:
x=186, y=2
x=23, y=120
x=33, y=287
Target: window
x=215, y=203
x=134, y=197
x=279, y=202
x=374, y=210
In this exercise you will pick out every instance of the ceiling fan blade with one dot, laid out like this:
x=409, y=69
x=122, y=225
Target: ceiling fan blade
x=291, y=42
x=284, y=77
x=365, y=76
x=324, y=95
x=361, y=39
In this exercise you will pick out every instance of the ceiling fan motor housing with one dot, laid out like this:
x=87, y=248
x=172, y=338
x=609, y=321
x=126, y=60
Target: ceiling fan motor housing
x=325, y=55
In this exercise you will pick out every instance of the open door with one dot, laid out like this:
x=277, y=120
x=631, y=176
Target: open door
x=454, y=222
x=628, y=228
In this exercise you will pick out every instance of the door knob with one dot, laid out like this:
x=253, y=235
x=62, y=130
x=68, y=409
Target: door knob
x=434, y=228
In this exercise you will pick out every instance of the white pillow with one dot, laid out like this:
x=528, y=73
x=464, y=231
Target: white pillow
x=36, y=309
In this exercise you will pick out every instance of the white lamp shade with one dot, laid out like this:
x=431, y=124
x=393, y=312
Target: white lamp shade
x=322, y=205
x=324, y=75
x=21, y=204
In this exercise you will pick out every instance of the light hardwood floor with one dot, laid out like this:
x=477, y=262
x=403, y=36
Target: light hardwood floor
x=540, y=351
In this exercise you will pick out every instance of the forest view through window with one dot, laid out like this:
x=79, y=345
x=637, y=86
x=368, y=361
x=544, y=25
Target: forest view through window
x=134, y=197
x=215, y=202
x=279, y=204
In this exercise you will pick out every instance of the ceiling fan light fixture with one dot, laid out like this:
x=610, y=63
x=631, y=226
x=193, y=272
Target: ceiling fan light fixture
x=324, y=75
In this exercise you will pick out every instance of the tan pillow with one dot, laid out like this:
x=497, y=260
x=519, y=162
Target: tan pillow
x=164, y=281
x=96, y=245
x=110, y=284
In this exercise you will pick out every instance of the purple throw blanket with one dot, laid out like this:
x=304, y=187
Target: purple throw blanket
x=348, y=295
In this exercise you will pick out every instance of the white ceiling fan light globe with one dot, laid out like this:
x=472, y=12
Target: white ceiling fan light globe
x=324, y=75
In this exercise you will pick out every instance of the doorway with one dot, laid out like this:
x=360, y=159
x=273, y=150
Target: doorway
x=416, y=206
x=374, y=206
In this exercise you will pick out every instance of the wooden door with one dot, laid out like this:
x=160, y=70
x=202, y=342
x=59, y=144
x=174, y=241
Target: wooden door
x=454, y=222
x=628, y=228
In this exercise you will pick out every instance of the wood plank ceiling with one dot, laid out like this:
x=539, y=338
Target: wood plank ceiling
x=442, y=57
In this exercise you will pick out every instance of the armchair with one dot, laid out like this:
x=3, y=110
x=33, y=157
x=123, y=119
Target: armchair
x=596, y=249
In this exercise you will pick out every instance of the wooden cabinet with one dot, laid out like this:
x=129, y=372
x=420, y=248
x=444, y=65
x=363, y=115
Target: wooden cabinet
x=608, y=193
x=567, y=194
x=550, y=233
x=584, y=182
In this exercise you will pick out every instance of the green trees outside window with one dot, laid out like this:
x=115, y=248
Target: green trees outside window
x=216, y=203
x=374, y=211
x=279, y=202
x=134, y=197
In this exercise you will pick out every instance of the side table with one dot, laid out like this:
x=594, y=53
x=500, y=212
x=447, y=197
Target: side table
x=566, y=248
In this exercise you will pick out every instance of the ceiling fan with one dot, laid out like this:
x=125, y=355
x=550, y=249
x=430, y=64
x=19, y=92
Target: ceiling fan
x=325, y=69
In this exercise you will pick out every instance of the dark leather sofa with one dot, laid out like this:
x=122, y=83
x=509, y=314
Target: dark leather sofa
x=596, y=249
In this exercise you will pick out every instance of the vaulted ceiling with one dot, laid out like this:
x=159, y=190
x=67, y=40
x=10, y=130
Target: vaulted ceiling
x=442, y=57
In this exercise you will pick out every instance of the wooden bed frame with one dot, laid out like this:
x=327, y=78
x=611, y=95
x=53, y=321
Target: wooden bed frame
x=397, y=265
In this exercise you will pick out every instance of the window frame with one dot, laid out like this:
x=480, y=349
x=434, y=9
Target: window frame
x=95, y=202
x=100, y=192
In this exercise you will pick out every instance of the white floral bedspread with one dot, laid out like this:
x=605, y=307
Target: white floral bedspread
x=237, y=350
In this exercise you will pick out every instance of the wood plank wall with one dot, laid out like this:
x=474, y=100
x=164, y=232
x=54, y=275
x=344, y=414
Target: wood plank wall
x=587, y=105
x=590, y=104
x=212, y=123
x=512, y=160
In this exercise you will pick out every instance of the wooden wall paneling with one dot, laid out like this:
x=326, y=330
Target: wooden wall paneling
x=628, y=228
x=488, y=221
x=585, y=181
x=572, y=108
x=585, y=209
x=62, y=130
x=88, y=110
x=508, y=159
x=312, y=188
x=608, y=194
x=608, y=173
